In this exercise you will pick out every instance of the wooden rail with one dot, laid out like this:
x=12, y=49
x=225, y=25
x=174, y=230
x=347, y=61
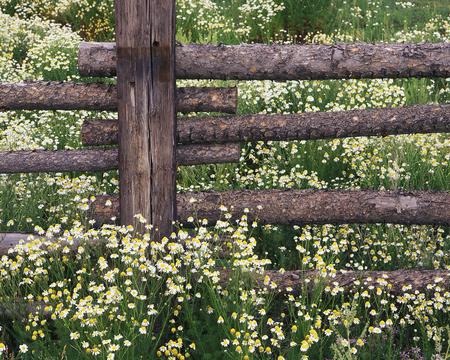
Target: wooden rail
x=288, y=62
x=108, y=159
x=296, y=282
x=296, y=207
x=396, y=282
x=303, y=126
x=45, y=95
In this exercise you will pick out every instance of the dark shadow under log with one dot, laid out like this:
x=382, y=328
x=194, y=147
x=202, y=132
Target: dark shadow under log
x=299, y=207
x=42, y=95
x=288, y=62
x=104, y=160
x=303, y=126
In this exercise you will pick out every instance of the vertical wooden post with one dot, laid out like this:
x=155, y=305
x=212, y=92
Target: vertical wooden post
x=145, y=36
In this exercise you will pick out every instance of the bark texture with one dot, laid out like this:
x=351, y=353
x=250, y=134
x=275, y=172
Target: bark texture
x=101, y=132
x=207, y=99
x=97, y=59
x=306, y=206
x=58, y=161
x=103, y=160
x=303, y=126
x=52, y=95
x=208, y=154
x=288, y=62
x=44, y=95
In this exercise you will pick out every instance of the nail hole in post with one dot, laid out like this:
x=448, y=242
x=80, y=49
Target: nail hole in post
x=155, y=43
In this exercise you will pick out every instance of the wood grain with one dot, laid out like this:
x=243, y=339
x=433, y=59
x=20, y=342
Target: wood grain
x=145, y=40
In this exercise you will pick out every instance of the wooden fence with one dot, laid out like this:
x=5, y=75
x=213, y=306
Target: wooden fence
x=151, y=141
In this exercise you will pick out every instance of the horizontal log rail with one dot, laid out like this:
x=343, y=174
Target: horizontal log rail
x=305, y=206
x=44, y=95
x=298, y=279
x=287, y=62
x=103, y=160
x=303, y=126
x=394, y=281
x=294, y=282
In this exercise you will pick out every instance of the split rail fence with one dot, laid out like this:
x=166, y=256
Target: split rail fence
x=152, y=141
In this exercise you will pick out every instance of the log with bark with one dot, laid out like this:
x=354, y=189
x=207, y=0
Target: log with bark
x=44, y=95
x=288, y=62
x=395, y=282
x=31, y=161
x=296, y=280
x=303, y=126
x=104, y=160
x=299, y=207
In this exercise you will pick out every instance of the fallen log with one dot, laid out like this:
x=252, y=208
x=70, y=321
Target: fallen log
x=42, y=95
x=288, y=62
x=304, y=126
x=299, y=207
x=104, y=160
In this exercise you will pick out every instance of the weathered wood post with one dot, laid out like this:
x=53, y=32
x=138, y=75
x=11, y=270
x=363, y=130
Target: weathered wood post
x=145, y=37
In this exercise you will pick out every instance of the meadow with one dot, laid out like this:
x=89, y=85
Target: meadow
x=111, y=293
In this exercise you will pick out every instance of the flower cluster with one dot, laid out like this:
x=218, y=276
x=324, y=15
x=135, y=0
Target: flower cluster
x=112, y=293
